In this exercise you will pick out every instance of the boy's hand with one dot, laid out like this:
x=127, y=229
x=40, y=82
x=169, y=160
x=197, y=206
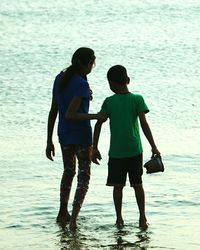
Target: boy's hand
x=155, y=151
x=96, y=156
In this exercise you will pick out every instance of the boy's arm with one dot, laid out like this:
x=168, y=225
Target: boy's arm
x=147, y=132
x=95, y=153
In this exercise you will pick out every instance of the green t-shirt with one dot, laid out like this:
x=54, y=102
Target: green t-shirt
x=122, y=111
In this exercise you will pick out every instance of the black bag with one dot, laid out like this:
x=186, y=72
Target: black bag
x=154, y=165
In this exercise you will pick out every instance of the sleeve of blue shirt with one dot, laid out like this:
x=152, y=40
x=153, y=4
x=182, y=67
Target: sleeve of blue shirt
x=82, y=89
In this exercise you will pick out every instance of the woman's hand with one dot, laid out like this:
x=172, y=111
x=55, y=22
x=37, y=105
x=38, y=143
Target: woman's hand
x=96, y=156
x=50, y=151
x=101, y=116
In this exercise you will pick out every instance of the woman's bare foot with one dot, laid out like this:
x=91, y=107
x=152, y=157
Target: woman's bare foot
x=63, y=217
x=119, y=223
x=72, y=225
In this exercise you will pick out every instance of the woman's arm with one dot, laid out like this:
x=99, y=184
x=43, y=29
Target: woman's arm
x=147, y=132
x=73, y=114
x=97, y=131
x=50, y=150
x=95, y=153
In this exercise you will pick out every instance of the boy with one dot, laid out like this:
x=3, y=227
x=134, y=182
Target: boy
x=125, y=153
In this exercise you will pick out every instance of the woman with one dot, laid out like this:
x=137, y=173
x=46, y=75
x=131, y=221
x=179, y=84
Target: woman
x=71, y=98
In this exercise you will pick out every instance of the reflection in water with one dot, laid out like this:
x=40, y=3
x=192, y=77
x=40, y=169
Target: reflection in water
x=143, y=238
x=88, y=238
x=140, y=244
x=71, y=240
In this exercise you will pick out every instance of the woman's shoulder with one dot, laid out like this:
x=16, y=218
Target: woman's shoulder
x=58, y=76
x=57, y=79
x=79, y=79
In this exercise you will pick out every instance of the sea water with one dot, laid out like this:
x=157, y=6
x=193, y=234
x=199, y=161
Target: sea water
x=159, y=44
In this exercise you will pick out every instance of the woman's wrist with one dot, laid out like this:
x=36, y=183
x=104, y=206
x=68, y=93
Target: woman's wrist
x=94, y=148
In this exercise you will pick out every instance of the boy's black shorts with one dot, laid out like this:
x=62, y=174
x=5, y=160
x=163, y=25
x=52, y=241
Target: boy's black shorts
x=118, y=168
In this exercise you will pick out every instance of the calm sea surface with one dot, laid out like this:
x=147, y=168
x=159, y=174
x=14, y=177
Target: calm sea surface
x=159, y=43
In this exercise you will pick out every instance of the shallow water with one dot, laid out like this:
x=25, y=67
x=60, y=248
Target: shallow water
x=158, y=42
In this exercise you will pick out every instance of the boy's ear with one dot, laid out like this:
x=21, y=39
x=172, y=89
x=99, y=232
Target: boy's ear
x=128, y=80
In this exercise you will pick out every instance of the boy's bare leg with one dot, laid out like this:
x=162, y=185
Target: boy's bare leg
x=75, y=212
x=140, y=197
x=117, y=197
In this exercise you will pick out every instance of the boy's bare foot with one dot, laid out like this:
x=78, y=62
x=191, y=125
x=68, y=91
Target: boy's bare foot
x=119, y=223
x=143, y=223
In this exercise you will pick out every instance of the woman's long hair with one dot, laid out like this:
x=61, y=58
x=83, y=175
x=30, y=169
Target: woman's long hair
x=81, y=57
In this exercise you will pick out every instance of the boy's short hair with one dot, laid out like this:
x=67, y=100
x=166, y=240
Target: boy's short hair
x=117, y=74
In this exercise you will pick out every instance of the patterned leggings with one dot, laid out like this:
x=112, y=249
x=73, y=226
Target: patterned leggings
x=83, y=155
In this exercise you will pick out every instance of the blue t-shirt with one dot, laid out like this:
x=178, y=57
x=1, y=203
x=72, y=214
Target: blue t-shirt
x=73, y=132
